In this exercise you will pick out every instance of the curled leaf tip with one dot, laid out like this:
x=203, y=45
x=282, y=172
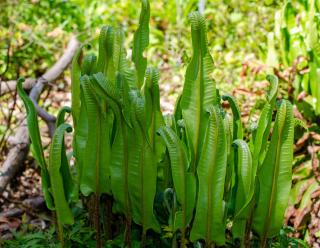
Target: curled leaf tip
x=21, y=80
x=69, y=129
x=66, y=109
x=197, y=20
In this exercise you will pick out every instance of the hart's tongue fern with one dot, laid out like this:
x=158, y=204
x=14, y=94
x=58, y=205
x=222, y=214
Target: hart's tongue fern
x=198, y=163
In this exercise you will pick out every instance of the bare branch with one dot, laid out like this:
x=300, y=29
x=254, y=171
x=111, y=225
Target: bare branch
x=9, y=86
x=19, y=151
x=52, y=74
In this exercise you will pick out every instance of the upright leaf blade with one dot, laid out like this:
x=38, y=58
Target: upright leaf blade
x=95, y=170
x=153, y=112
x=275, y=176
x=184, y=181
x=142, y=169
x=211, y=171
x=245, y=184
x=199, y=90
x=141, y=42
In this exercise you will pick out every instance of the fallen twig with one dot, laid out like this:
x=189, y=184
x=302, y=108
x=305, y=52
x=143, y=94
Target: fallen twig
x=9, y=86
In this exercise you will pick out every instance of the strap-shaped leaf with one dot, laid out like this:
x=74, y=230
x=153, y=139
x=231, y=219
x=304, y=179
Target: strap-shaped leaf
x=261, y=136
x=199, y=90
x=142, y=179
x=154, y=116
x=275, y=176
x=119, y=162
x=273, y=89
x=230, y=173
x=245, y=184
x=119, y=165
x=237, y=125
x=141, y=42
x=119, y=63
x=184, y=181
x=79, y=116
x=37, y=150
x=95, y=170
x=56, y=159
x=211, y=172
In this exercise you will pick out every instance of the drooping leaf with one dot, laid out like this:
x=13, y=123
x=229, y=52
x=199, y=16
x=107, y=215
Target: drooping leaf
x=34, y=134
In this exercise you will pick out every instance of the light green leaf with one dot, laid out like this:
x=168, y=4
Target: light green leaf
x=275, y=176
x=211, y=172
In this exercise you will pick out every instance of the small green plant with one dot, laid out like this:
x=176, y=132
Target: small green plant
x=190, y=173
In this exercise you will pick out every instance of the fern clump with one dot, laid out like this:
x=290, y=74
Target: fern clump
x=188, y=174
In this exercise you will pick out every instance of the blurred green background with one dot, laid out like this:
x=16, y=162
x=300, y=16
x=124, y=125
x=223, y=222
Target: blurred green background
x=33, y=33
